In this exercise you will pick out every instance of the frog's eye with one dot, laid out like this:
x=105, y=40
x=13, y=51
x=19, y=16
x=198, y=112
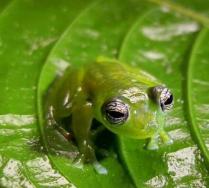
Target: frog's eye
x=166, y=99
x=164, y=96
x=115, y=111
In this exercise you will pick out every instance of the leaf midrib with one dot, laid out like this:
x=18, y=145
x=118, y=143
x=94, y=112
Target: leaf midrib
x=184, y=11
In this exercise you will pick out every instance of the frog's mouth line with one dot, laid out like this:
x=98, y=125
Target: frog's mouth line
x=135, y=133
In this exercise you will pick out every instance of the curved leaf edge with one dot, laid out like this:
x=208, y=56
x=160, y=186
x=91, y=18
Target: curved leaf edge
x=132, y=28
x=195, y=130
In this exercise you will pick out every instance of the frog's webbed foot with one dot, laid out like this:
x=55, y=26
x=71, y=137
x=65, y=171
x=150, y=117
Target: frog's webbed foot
x=87, y=156
x=153, y=143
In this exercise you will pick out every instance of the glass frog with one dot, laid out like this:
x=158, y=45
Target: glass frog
x=127, y=101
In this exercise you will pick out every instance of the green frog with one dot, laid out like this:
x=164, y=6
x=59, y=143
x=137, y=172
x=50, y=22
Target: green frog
x=125, y=100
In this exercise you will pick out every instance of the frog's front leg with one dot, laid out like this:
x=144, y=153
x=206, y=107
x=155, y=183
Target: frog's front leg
x=81, y=124
x=153, y=143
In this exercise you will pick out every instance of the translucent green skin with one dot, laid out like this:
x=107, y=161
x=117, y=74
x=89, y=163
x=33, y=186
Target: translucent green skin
x=82, y=92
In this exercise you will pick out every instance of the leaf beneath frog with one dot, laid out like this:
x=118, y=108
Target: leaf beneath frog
x=160, y=42
x=92, y=28
x=28, y=30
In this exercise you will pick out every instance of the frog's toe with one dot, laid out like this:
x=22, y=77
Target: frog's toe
x=99, y=168
x=166, y=138
x=152, y=144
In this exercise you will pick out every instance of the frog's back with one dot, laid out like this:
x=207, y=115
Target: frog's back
x=108, y=75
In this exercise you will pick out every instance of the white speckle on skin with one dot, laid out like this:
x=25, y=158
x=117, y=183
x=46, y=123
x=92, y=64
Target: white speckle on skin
x=89, y=104
x=66, y=99
x=134, y=94
x=135, y=112
x=79, y=89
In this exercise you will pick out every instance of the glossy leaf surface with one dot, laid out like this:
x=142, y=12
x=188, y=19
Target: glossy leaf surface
x=39, y=39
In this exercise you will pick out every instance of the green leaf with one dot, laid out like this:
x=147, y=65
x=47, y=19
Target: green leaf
x=3, y=4
x=38, y=39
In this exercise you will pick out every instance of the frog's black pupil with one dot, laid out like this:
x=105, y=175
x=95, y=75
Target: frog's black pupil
x=115, y=114
x=169, y=100
x=115, y=117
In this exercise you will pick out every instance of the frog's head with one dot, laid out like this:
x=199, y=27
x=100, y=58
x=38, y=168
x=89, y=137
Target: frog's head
x=137, y=112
